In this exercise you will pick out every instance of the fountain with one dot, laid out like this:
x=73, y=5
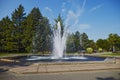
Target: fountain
x=59, y=46
x=59, y=42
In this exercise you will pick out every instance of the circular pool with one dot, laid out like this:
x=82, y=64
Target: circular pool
x=63, y=59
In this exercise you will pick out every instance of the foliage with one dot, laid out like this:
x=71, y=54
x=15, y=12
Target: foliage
x=103, y=43
x=114, y=41
x=78, y=42
x=100, y=49
x=89, y=50
x=18, y=34
x=18, y=17
x=84, y=41
x=70, y=43
x=7, y=39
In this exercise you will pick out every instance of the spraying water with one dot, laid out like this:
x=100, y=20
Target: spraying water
x=59, y=47
x=59, y=42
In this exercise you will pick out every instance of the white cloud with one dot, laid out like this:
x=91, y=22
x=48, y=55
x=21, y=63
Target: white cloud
x=73, y=20
x=50, y=14
x=48, y=9
x=73, y=17
x=96, y=7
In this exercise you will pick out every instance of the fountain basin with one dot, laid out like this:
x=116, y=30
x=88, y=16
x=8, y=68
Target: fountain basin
x=63, y=66
x=63, y=59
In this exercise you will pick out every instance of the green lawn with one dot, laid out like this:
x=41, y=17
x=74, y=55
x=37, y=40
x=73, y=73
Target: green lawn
x=12, y=54
x=111, y=54
x=17, y=54
x=20, y=54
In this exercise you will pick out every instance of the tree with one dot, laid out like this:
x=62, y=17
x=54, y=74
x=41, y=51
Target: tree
x=6, y=34
x=77, y=41
x=84, y=40
x=59, y=19
x=18, y=17
x=114, y=41
x=70, y=43
x=39, y=31
x=47, y=35
x=92, y=44
x=103, y=43
x=43, y=35
x=32, y=21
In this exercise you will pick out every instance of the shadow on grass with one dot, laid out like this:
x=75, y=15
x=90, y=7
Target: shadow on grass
x=14, y=64
x=3, y=70
x=15, y=61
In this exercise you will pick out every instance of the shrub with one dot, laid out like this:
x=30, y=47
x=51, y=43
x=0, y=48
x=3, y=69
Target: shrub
x=100, y=49
x=89, y=50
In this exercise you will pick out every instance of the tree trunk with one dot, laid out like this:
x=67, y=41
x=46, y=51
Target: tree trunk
x=114, y=49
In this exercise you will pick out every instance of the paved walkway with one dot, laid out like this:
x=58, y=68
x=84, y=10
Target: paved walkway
x=82, y=75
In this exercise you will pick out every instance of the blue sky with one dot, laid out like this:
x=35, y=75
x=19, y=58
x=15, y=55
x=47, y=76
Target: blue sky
x=97, y=18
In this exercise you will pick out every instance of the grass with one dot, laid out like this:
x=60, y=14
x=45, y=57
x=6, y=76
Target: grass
x=111, y=54
x=17, y=54
x=12, y=54
x=4, y=54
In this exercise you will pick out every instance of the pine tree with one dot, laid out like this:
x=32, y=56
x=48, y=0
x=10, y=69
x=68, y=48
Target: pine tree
x=70, y=43
x=84, y=41
x=18, y=18
x=7, y=38
x=61, y=20
x=77, y=41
